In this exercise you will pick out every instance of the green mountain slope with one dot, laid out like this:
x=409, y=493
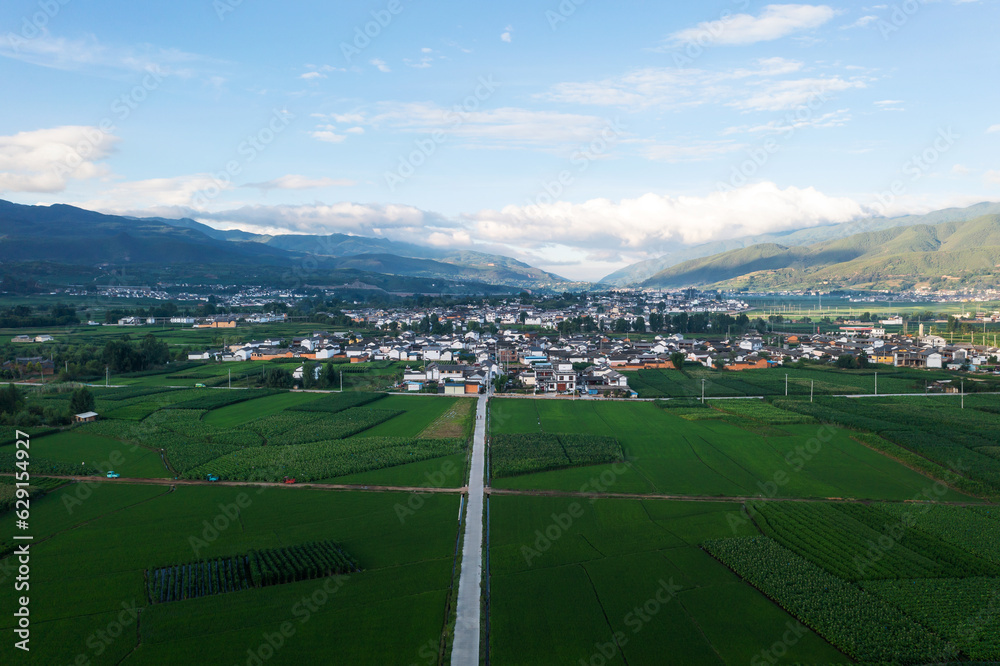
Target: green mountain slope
x=947, y=254
x=643, y=270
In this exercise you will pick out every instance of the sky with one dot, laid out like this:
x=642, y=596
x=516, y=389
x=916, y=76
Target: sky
x=576, y=135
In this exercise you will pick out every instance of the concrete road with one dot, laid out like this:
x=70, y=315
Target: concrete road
x=465, y=651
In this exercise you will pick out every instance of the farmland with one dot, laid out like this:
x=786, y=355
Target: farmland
x=717, y=456
x=864, y=569
x=92, y=568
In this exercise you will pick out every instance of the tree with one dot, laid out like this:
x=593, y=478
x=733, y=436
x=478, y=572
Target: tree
x=677, y=359
x=277, y=378
x=639, y=325
x=308, y=374
x=719, y=363
x=863, y=360
x=845, y=361
x=621, y=325
x=329, y=377
x=82, y=401
x=11, y=400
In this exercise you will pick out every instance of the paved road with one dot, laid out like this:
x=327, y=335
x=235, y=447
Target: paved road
x=465, y=651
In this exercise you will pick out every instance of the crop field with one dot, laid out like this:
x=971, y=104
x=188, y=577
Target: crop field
x=89, y=574
x=935, y=429
x=658, y=383
x=715, y=457
x=631, y=576
x=512, y=455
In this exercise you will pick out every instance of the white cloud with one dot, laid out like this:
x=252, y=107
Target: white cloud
x=961, y=170
x=700, y=150
x=296, y=182
x=87, y=53
x=176, y=191
x=774, y=22
x=760, y=87
x=993, y=129
x=380, y=65
x=655, y=222
x=837, y=118
x=502, y=128
x=507, y=35
x=309, y=76
x=861, y=22
x=992, y=177
x=46, y=160
x=327, y=136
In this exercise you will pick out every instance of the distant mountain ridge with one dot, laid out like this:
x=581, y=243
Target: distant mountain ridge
x=639, y=272
x=64, y=234
x=965, y=252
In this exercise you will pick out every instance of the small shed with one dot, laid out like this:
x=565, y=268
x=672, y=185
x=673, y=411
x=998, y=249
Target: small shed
x=86, y=417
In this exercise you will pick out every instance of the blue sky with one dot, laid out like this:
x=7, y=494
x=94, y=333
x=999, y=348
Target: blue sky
x=578, y=136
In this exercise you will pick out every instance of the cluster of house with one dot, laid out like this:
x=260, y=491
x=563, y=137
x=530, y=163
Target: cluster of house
x=214, y=321
x=29, y=338
x=603, y=309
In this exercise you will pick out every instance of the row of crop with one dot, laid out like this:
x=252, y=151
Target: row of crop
x=8, y=434
x=337, y=402
x=324, y=460
x=859, y=623
x=970, y=529
x=966, y=612
x=335, y=426
x=199, y=579
x=127, y=393
x=259, y=568
x=842, y=545
x=759, y=410
x=953, y=561
x=512, y=455
x=591, y=449
x=216, y=399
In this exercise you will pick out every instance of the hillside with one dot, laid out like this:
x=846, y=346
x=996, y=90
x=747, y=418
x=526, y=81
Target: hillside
x=947, y=254
x=802, y=237
x=70, y=236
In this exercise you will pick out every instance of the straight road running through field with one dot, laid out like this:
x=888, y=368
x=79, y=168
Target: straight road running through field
x=465, y=651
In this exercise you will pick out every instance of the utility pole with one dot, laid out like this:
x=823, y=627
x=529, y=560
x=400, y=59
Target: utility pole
x=703, y=390
x=786, y=385
x=812, y=385
x=963, y=394
x=341, y=381
x=107, y=375
x=876, y=382
x=230, y=378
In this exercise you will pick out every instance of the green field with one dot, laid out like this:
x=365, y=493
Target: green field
x=241, y=412
x=92, y=568
x=669, y=454
x=605, y=570
x=101, y=452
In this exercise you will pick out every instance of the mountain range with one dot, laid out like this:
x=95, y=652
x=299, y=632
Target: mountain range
x=938, y=255
x=67, y=235
x=643, y=271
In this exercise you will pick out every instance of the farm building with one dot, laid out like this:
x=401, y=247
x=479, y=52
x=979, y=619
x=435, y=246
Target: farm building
x=86, y=417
